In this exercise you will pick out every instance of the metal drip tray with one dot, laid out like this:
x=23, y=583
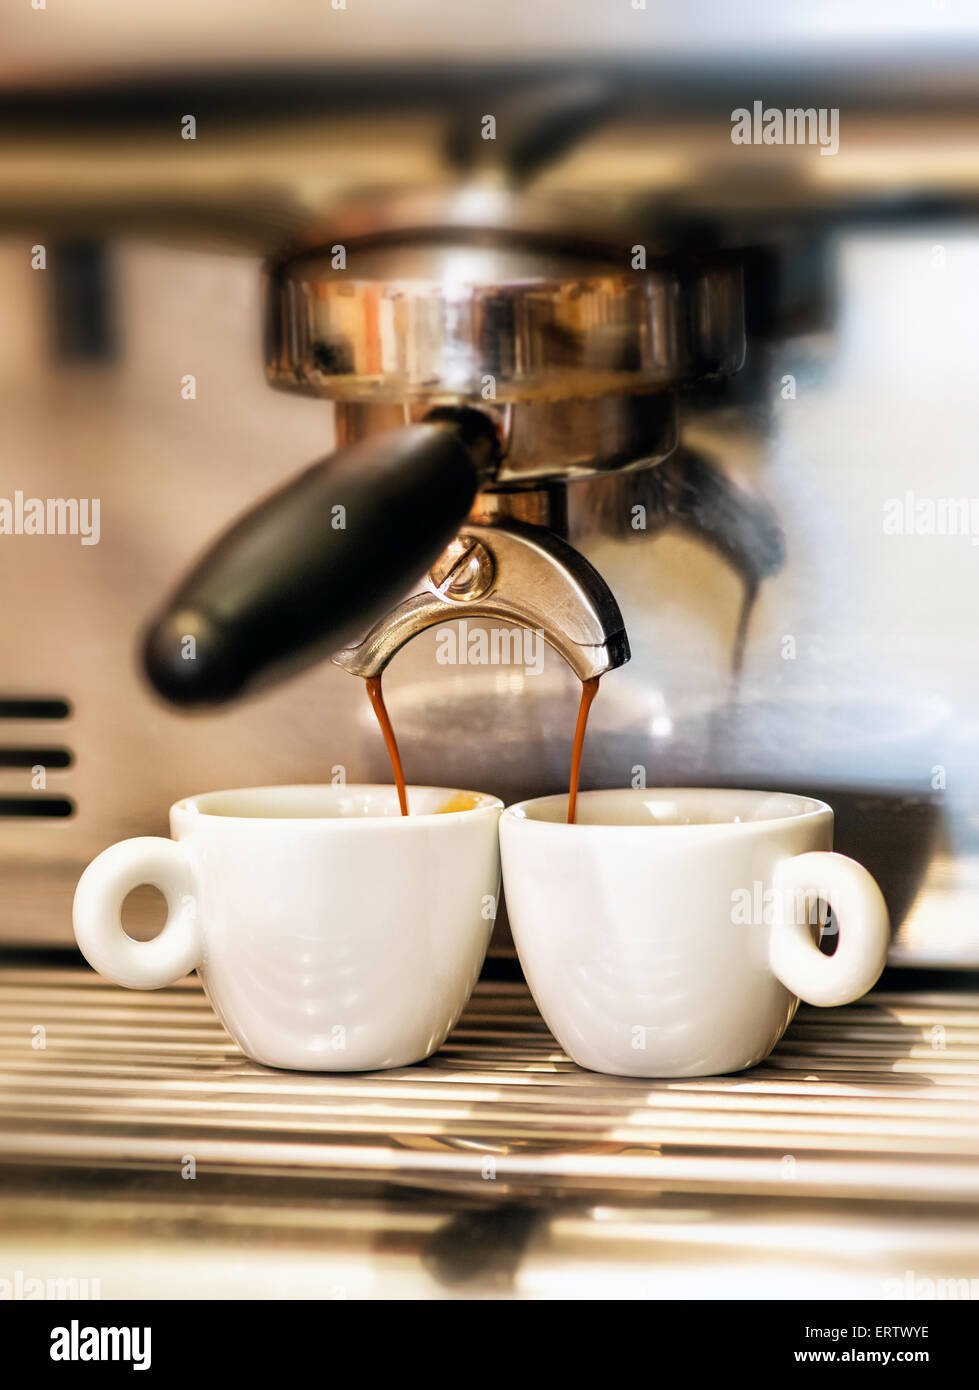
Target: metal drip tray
x=140, y=1149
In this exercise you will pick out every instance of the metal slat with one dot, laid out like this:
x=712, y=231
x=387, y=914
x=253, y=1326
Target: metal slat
x=862, y=1097
x=850, y=1157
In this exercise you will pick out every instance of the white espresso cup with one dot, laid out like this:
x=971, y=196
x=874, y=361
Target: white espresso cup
x=673, y=932
x=330, y=932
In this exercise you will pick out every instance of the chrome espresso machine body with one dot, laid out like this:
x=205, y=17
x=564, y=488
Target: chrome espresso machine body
x=517, y=364
x=565, y=311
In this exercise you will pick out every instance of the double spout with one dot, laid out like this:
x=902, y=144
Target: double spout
x=512, y=573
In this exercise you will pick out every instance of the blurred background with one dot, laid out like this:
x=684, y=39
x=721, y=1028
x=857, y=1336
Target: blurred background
x=783, y=633
x=854, y=672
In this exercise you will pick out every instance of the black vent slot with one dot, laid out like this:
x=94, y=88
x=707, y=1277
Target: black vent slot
x=34, y=709
x=35, y=805
x=45, y=807
x=35, y=757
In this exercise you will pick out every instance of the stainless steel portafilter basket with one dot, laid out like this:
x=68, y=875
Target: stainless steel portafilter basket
x=475, y=343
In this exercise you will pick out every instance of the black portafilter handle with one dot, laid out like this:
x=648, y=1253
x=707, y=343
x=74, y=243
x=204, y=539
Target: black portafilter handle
x=310, y=567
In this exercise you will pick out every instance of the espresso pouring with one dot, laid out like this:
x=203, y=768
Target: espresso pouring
x=589, y=689
x=376, y=697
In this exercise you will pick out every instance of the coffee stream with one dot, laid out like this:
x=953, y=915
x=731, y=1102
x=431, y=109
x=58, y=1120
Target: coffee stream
x=589, y=689
x=384, y=719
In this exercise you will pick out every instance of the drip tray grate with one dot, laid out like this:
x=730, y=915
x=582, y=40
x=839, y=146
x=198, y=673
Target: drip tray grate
x=846, y=1161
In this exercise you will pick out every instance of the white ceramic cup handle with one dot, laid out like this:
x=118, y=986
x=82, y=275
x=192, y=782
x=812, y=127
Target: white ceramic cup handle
x=100, y=894
x=860, y=914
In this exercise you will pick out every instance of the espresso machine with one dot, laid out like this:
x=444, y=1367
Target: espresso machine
x=606, y=377
x=481, y=360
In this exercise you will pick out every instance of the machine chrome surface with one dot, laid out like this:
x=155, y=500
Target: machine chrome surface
x=439, y=320
x=879, y=693
x=543, y=441
x=512, y=573
x=841, y=1164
